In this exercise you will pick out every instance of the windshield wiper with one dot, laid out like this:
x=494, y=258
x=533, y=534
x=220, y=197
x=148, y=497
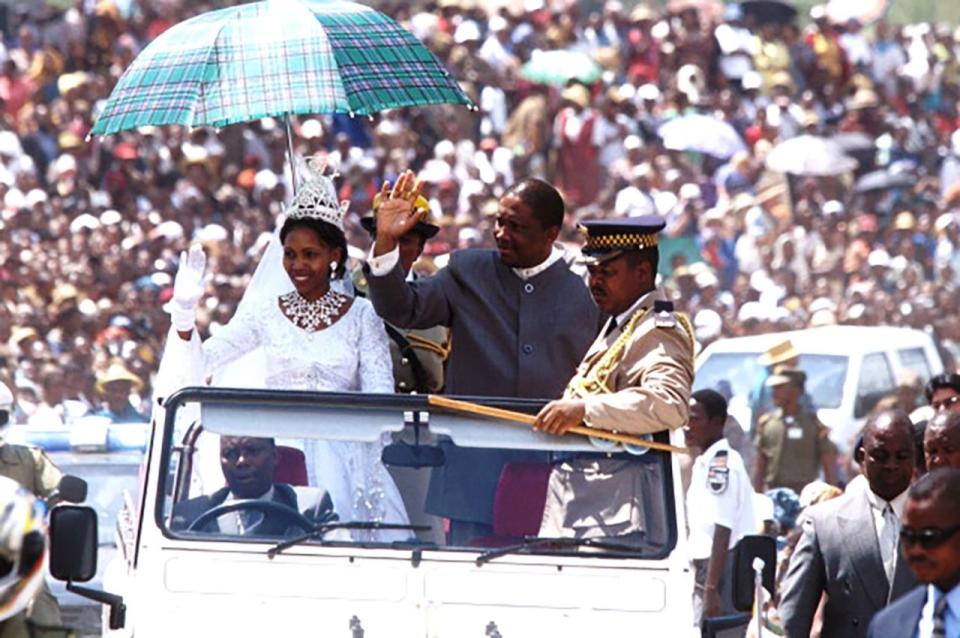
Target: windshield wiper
x=323, y=528
x=534, y=542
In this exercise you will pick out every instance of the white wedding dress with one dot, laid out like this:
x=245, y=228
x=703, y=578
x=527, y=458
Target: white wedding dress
x=350, y=355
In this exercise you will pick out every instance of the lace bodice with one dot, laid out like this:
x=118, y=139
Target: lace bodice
x=351, y=355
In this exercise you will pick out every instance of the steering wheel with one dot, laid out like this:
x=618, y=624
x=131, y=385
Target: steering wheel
x=287, y=514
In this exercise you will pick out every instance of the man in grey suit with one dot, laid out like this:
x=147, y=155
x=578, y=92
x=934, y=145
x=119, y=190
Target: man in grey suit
x=520, y=323
x=849, y=546
x=931, y=545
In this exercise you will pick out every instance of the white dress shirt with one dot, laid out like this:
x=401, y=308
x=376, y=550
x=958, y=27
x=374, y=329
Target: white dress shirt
x=888, y=550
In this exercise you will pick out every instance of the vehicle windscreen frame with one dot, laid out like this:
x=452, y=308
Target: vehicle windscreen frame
x=400, y=403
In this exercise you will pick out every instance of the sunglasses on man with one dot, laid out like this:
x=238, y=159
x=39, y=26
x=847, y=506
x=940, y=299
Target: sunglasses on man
x=928, y=537
x=946, y=404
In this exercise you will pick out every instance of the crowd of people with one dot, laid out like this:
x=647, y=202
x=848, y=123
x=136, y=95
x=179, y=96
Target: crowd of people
x=95, y=232
x=92, y=227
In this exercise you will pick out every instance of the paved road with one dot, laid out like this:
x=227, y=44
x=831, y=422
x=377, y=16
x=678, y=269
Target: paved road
x=84, y=620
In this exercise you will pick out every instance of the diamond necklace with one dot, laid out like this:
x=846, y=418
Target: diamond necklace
x=310, y=314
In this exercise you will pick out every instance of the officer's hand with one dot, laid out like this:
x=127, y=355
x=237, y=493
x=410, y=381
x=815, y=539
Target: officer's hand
x=559, y=416
x=711, y=602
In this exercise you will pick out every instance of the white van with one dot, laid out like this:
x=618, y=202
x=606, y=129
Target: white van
x=173, y=581
x=849, y=369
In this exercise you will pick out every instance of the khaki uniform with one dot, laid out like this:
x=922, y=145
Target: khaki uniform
x=30, y=467
x=647, y=388
x=643, y=388
x=19, y=627
x=802, y=439
x=418, y=355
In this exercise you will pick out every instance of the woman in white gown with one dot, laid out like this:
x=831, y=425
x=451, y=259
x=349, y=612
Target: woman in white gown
x=313, y=338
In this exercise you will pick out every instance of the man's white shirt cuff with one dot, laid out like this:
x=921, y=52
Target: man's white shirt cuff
x=382, y=265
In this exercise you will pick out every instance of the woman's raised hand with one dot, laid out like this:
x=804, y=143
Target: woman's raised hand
x=396, y=215
x=188, y=287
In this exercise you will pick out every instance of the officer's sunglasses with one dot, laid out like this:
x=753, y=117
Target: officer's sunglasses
x=946, y=404
x=928, y=537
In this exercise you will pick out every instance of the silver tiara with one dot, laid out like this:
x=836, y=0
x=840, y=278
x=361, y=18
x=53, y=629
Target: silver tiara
x=316, y=197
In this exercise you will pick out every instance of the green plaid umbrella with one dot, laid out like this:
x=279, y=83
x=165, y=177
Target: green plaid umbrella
x=275, y=58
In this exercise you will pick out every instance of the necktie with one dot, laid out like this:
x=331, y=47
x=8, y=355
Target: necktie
x=611, y=326
x=888, y=542
x=940, y=618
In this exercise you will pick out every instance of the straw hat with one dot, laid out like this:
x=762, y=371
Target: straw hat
x=863, y=99
x=578, y=94
x=642, y=13
x=21, y=333
x=118, y=372
x=779, y=353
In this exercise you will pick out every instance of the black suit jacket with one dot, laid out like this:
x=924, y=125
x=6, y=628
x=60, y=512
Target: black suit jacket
x=185, y=512
x=901, y=617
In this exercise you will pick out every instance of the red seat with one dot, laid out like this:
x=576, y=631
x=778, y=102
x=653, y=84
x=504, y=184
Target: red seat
x=518, y=504
x=291, y=466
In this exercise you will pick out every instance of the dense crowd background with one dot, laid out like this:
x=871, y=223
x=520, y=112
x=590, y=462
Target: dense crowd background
x=91, y=229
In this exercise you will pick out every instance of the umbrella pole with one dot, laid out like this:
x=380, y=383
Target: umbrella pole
x=293, y=164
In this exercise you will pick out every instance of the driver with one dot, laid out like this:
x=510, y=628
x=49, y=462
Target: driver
x=248, y=465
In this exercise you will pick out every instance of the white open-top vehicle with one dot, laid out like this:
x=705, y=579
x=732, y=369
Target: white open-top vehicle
x=319, y=581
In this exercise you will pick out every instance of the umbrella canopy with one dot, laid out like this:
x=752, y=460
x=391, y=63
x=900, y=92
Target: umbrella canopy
x=854, y=142
x=769, y=11
x=703, y=134
x=560, y=66
x=883, y=180
x=273, y=58
x=810, y=155
x=864, y=11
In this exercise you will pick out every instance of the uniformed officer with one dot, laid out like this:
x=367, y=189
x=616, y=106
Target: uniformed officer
x=719, y=505
x=792, y=444
x=418, y=355
x=30, y=467
x=23, y=529
x=635, y=378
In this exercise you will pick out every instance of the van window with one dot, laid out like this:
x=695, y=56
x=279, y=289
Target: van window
x=915, y=360
x=876, y=382
x=738, y=374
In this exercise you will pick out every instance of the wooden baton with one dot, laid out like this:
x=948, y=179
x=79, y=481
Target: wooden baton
x=468, y=407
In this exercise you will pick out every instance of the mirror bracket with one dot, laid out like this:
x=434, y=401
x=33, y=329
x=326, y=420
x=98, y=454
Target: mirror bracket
x=416, y=455
x=118, y=610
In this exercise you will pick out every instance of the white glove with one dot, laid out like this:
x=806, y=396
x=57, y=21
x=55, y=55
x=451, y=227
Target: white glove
x=188, y=288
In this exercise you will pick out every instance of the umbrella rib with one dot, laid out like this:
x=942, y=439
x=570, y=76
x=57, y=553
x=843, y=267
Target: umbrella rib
x=206, y=61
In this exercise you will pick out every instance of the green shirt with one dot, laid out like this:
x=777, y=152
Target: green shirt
x=793, y=447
